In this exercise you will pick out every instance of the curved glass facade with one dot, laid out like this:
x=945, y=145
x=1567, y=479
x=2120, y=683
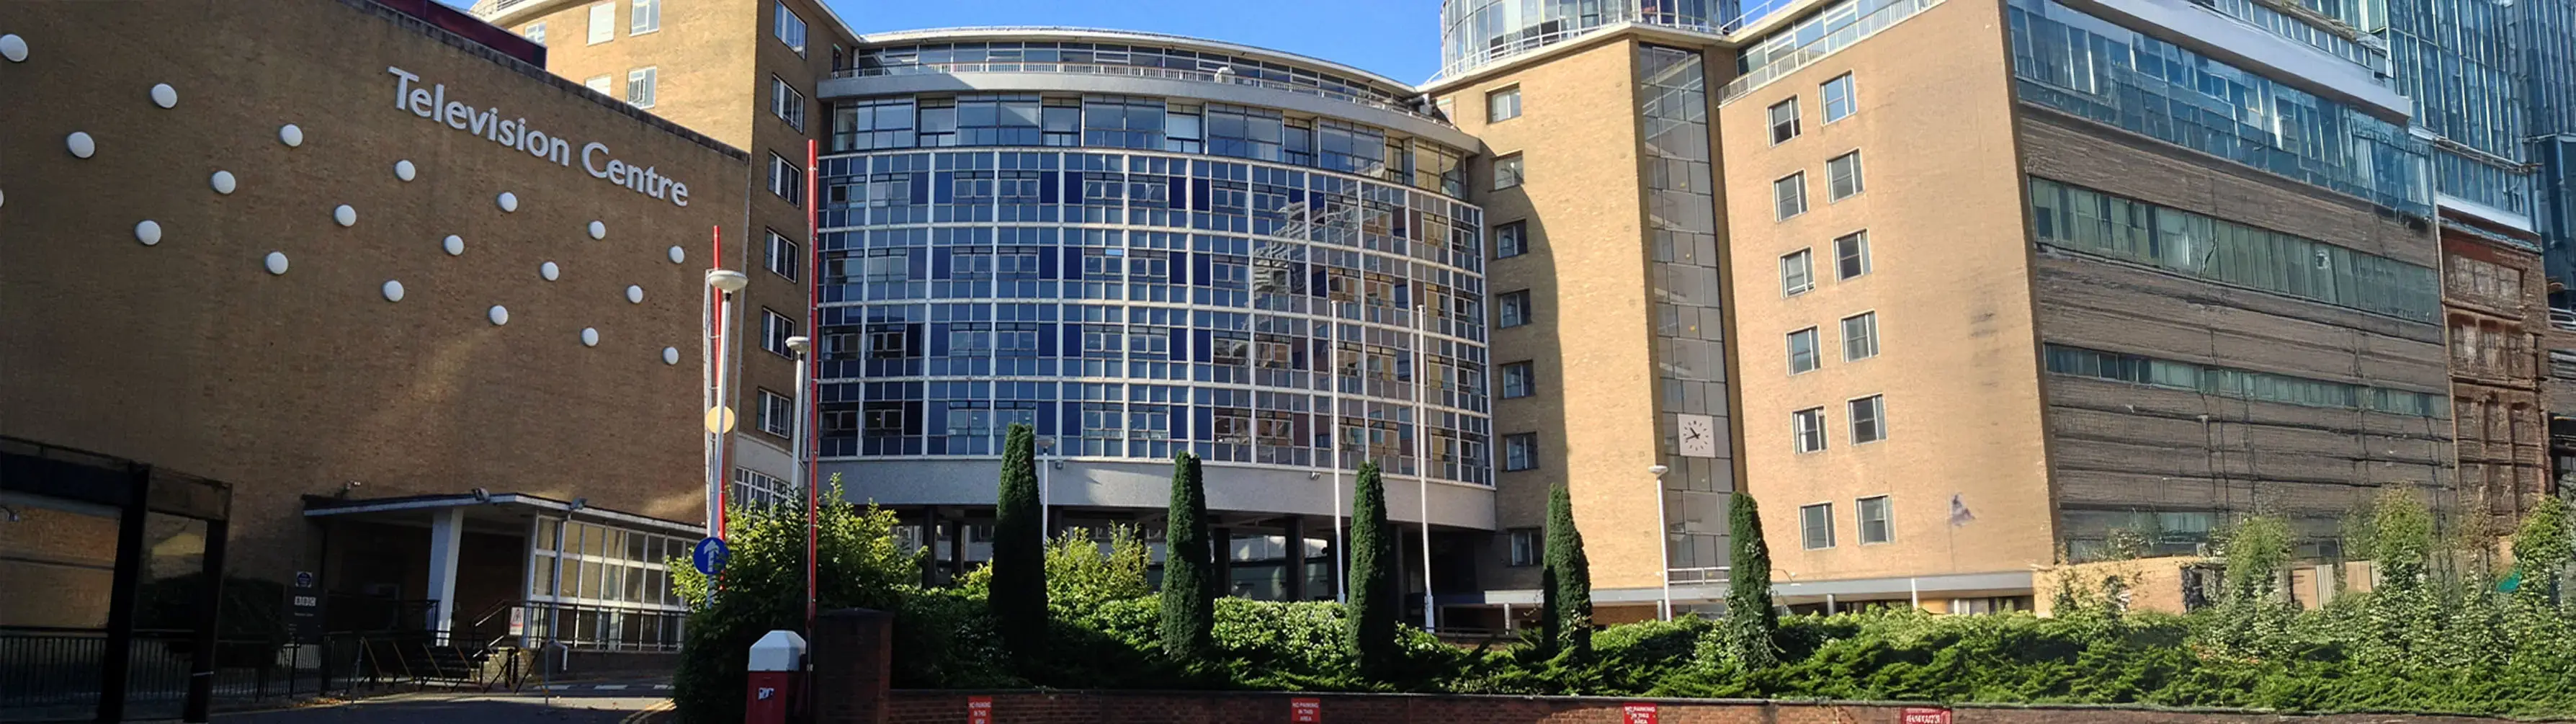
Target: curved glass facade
x=1474, y=33
x=1139, y=276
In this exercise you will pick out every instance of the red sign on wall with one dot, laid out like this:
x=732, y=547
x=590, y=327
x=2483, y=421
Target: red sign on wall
x=1637, y=714
x=1306, y=711
x=979, y=710
x=1925, y=715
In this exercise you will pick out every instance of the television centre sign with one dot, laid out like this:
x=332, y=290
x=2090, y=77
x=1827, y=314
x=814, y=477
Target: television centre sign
x=430, y=102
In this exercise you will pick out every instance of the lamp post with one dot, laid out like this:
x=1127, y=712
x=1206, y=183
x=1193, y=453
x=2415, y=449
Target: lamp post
x=1422, y=461
x=720, y=415
x=1663, y=541
x=1046, y=497
x=799, y=478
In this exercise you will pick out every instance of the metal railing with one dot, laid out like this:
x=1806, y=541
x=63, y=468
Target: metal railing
x=1832, y=43
x=53, y=673
x=1133, y=72
x=1705, y=574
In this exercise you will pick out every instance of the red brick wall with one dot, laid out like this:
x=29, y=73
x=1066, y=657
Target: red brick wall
x=1104, y=707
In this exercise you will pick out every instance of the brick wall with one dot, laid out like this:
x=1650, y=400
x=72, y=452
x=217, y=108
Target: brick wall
x=1085, y=707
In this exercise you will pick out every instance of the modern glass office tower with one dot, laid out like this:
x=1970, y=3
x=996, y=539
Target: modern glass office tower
x=1143, y=245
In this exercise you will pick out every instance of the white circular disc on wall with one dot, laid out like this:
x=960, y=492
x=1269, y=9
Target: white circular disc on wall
x=14, y=48
x=677, y=255
x=549, y=271
x=345, y=215
x=455, y=245
x=276, y=262
x=509, y=201
x=670, y=355
x=290, y=135
x=393, y=291
x=165, y=96
x=598, y=230
x=223, y=182
x=499, y=315
x=148, y=232
x=589, y=337
x=3, y=198
x=405, y=171
x=634, y=294
x=80, y=144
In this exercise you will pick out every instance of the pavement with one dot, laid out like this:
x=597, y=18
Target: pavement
x=632, y=702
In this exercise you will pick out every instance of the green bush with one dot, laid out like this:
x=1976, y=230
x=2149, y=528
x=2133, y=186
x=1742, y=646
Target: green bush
x=1019, y=589
x=763, y=589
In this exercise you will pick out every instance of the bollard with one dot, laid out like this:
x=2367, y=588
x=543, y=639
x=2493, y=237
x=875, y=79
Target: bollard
x=777, y=664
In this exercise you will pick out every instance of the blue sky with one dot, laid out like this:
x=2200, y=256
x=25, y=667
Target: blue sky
x=1399, y=39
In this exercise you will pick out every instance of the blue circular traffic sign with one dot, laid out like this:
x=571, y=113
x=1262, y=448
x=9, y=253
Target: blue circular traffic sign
x=710, y=555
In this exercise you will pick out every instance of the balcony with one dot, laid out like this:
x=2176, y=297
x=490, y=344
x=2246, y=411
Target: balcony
x=1128, y=71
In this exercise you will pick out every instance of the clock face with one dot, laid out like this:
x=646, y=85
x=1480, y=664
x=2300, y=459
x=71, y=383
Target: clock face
x=1698, y=435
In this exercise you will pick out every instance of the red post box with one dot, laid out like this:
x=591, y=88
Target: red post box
x=777, y=664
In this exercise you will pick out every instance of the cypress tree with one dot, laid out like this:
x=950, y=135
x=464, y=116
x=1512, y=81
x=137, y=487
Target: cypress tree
x=1565, y=581
x=1189, y=565
x=1018, y=595
x=1370, y=626
x=1750, y=620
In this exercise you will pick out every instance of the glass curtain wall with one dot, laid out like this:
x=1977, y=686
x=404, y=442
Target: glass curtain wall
x=2457, y=59
x=1690, y=353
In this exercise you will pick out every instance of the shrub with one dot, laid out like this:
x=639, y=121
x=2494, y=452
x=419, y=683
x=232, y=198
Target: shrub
x=1370, y=632
x=1019, y=588
x=1565, y=581
x=1189, y=582
x=1751, y=622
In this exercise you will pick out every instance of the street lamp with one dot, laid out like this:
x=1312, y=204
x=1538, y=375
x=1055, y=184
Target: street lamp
x=1046, y=499
x=1663, y=540
x=800, y=478
x=720, y=414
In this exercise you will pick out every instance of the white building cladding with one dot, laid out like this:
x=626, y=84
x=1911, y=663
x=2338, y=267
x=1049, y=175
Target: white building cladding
x=1142, y=244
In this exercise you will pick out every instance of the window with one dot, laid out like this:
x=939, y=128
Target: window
x=785, y=103
x=1511, y=239
x=782, y=256
x=1851, y=255
x=1874, y=524
x=602, y=83
x=1842, y=176
x=639, y=86
x=1512, y=309
x=1503, y=105
x=1802, y=351
x=1784, y=121
x=1868, y=419
x=777, y=414
x=1507, y=172
x=786, y=180
x=1816, y=526
x=775, y=328
x=1839, y=103
x=643, y=16
x=1860, y=336
x=1525, y=546
x=603, y=22
x=1789, y=195
x=1516, y=379
x=1520, y=451
x=536, y=33
x=1808, y=426
x=789, y=29
x=1797, y=273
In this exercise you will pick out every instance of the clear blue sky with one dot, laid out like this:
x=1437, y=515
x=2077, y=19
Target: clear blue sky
x=1399, y=39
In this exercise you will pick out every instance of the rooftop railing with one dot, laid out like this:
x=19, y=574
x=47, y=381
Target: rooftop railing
x=1132, y=72
x=1832, y=43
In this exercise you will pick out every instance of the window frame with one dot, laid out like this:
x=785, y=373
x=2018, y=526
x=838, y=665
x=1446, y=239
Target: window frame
x=1833, y=194
x=603, y=23
x=1528, y=379
x=1519, y=237
x=1807, y=528
x=1806, y=262
x=772, y=259
x=780, y=93
x=1796, y=180
x=1886, y=520
x=1850, y=101
x=1860, y=247
x=770, y=324
x=1877, y=405
x=643, y=16
x=1520, y=314
x=604, y=84
x=535, y=32
x=1512, y=93
x=1528, y=444
x=1800, y=434
x=778, y=28
x=1815, y=349
x=770, y=402
x=792, y=178
x=648, y=78
x=1773, y=122
x=1518, y=176
x=1868, y=319
x=1522, y=547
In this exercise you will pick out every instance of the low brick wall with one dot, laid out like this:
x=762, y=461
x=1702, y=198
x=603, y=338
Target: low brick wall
x=1149, y=707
